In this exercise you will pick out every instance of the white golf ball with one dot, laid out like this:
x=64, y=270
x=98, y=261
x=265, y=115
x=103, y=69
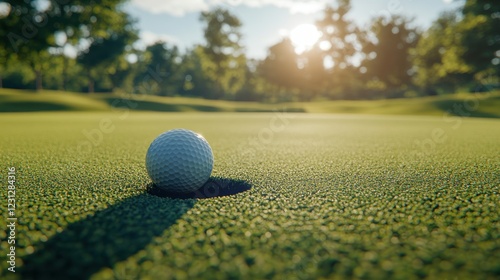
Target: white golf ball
x=179, y=161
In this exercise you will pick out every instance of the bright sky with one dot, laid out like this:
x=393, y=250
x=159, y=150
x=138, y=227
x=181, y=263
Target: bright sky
x=265, y=22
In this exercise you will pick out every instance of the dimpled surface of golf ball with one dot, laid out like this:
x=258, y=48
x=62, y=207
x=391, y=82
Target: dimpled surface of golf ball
x=179, y=161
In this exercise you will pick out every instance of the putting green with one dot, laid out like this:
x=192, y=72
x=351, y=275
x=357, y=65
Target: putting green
x=332, y=196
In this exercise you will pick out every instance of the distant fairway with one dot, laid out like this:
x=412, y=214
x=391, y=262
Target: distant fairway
x=485, y=105
x=333, y=196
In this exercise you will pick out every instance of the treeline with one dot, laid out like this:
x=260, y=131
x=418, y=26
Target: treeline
x=89, y=47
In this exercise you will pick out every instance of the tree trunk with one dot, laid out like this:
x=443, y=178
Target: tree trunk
x=91, y=81
x=39, y=85
x=91, y=85
x=1, y=81
x=65, y=72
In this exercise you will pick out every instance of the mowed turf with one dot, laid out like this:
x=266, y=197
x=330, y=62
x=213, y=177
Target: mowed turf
x=332, y=196
x=482, y=105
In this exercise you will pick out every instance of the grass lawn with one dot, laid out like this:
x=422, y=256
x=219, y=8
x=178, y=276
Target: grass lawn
x=485, y=105
x=332, y=196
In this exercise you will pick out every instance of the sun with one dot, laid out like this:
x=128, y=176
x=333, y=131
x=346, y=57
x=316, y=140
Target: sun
x=304, y=36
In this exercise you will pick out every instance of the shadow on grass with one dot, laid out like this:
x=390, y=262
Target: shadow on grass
x=141, y=105
x=214, y=187
x=457, y=108
x=31, y=106
x=116, y=233
x=264, y=110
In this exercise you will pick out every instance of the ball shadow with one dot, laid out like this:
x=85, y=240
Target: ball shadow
x=214, y=187
x=103, y=239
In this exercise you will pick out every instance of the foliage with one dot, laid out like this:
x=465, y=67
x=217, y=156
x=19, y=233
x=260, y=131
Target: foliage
x=438, y=56
x=108, y=46
x=224, y=59
x=280, y=66
x=339, y=44
x=29, y=29
x=339, y=35
x=386, y=46
x=390, y=57
x=314, y=76
x=480, y=38
x=195, y=82
x=159, y=70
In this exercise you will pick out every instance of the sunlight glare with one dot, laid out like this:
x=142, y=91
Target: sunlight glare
x=304, y=36
x=325, y=45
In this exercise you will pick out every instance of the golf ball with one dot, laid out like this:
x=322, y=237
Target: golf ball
x=179, y=161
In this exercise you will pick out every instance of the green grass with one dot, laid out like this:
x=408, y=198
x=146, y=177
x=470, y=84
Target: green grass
x=28, y=101
x=482, y=105
x=332, y=196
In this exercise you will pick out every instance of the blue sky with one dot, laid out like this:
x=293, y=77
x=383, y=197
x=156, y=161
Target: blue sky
x=264, y=21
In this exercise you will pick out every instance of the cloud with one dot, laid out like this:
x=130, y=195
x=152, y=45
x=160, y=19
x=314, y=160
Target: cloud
x=181, y=7
x=148, y=38
x=294, y=6
x=173, y=7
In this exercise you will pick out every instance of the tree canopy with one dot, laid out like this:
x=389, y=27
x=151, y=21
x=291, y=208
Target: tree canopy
x=91, y=46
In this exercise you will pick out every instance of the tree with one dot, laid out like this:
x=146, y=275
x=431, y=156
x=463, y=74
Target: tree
x=29, y=28
x=480, y=36
x=438, y=56
x=314, y=76
x=121, y=74
x=4, y=57
x=226, y=61
x=280, y=67
x=194, y=68
x=25, y=32
x=83, y=21
x=107, y=46
x=18, y=75
x=253, y=89
x=338, y=42
x=386, y=48
x=160, y=70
